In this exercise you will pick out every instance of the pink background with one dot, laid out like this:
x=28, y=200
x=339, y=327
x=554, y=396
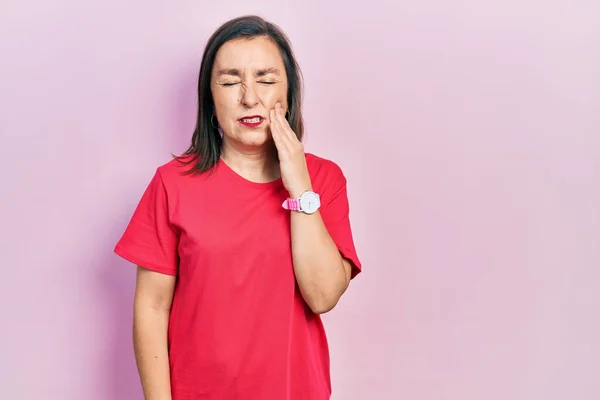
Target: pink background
x=470, y=135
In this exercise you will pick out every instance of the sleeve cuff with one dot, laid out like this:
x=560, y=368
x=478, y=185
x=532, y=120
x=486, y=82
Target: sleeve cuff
x=122, y=252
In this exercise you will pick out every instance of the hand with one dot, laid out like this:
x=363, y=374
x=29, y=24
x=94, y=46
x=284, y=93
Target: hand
x=292, y=161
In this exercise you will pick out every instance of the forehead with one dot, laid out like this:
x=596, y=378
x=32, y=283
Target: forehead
x=254, y=53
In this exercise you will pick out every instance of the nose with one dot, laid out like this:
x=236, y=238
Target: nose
x=249, y=97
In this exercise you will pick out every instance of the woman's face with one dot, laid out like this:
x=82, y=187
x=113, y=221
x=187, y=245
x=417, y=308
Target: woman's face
x=248, y=80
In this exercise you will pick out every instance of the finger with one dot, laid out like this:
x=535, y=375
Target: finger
x=285, y=126
x=276, y=132
x=294, y=145
x=281, y=128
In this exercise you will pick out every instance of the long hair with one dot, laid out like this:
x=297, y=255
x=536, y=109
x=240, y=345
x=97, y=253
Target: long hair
x=205, y=149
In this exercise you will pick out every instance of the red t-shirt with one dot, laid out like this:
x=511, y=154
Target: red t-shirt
x=239, y=327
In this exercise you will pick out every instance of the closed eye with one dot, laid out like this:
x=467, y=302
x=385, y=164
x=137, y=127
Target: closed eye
x=237, y=83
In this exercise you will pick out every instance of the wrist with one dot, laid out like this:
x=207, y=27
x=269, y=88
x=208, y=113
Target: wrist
x=305, y=201
x=297, y=192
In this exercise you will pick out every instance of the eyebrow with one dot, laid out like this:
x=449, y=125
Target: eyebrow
x=260, y=72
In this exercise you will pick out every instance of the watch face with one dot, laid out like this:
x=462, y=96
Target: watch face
x=310, y=202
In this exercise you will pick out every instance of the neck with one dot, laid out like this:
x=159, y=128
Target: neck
x=257, y=164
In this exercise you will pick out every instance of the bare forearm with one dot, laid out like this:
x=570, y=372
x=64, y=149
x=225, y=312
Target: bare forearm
x=318, y=265
x=150, y=346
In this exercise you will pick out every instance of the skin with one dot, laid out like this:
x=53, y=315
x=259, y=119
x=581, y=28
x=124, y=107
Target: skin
x=248, y=79
x=151, y=309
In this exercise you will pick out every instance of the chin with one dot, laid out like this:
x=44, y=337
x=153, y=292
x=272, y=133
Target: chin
x=254, y=138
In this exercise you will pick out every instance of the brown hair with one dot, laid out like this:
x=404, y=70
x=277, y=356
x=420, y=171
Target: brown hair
x=205, y=149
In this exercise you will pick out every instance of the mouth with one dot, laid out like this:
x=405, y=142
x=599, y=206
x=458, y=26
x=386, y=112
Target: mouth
x=251, y=121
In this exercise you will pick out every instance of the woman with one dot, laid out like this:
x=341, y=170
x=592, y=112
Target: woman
x=243, y=240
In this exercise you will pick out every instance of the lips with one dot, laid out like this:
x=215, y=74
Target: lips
x=251, y=120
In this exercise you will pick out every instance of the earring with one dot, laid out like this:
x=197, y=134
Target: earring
x=214, y=125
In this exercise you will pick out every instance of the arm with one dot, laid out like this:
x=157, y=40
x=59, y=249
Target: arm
x=323, y=275
x=152, y=304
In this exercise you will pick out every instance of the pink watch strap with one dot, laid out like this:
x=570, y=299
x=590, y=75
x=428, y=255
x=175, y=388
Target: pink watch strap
x=291, y=204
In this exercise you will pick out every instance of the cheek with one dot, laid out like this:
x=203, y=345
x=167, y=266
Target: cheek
x=225, y=103
x=225, y=98
x=270, y=95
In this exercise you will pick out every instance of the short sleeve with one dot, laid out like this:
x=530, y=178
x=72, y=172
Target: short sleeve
x=149, y=239
x=335, y=211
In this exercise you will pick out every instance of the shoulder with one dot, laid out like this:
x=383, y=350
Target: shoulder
x=326, y=175
x=175, y=166
x=176, y=172
x=324, y=169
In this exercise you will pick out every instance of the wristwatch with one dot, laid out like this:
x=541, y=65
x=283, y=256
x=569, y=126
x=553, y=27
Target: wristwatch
x=308, y=203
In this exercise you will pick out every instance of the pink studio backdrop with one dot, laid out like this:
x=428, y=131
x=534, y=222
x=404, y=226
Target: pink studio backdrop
x=470, y=135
